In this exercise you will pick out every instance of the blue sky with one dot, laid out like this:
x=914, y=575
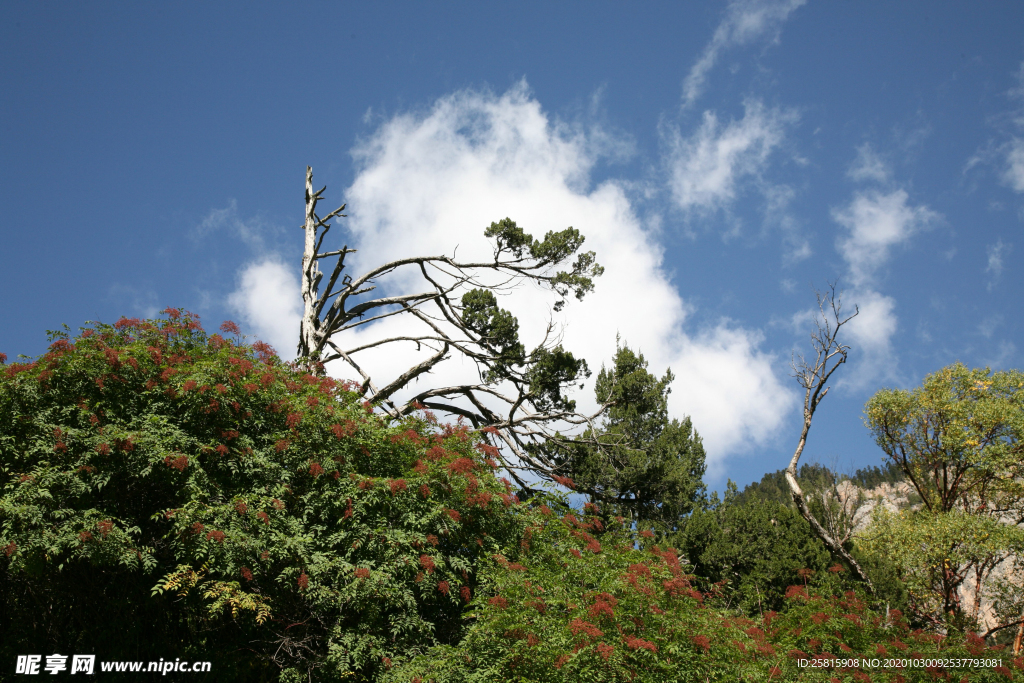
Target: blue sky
x=722, y=159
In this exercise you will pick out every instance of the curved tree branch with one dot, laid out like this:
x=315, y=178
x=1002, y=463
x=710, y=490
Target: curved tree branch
x=814, y=377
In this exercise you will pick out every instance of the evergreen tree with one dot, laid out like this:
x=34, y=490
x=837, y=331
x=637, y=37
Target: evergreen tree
x=647, y=466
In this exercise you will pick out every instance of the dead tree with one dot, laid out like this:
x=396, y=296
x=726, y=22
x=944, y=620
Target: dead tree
x=520, y=395
x=814, y=377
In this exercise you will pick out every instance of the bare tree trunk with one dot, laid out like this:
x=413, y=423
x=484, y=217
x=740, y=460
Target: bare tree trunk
x=1020, y=636
x=814, y=378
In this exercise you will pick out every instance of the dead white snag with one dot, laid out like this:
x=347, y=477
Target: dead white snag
x=813, y=377
x=519, y=394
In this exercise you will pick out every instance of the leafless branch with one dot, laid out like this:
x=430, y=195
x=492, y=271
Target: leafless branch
x=509, y=396
x=813, y=377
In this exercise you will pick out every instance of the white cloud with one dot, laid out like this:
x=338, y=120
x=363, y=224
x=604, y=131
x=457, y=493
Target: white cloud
x=876, y=222
x=267, y=299
x=996, y=252
x=254, y=232
x=745, y=21
x=868, y=166
x=1008, y=156
x=989, y=325
x=872, y=330
x=1013, y=174
x=431, y=181
x=707, y=168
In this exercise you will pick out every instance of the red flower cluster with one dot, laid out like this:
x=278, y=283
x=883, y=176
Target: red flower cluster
x=461, y=466
x=179, y=463
x=604, y=603
x=794, y=592
x=564, y=481
x=578, y=626
x=634, y=643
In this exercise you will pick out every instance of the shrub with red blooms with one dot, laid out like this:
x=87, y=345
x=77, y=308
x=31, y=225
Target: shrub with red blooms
x=203, y=495
x=597, y=626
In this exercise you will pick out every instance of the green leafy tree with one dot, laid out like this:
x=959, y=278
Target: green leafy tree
x=637, y=462
x=752, y=548
x=957, y=439
x=168, y=493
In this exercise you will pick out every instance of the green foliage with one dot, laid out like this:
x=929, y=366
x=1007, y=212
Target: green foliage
x=552, y=250
x=646, y=467
x=772, y=487
x=550, y=371
x=498, y=330
x=588, y=602
x=755, y=539
x=753, y=549
x=936, y=551
x=172, y=494
x=957, y=439
x=168, y=493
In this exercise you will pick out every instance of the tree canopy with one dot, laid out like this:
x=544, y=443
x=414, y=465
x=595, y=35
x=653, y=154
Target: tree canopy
x=637, y=462
x=957, y=439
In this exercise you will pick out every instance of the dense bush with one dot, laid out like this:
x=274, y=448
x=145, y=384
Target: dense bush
x=579, y=604
x=167, y=493
x=753, y=549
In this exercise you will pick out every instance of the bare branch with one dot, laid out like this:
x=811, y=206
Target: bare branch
x=511, y=386
x=814, y=377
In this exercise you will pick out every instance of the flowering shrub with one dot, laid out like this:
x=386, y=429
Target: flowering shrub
x=215, y=502
x=630, y=613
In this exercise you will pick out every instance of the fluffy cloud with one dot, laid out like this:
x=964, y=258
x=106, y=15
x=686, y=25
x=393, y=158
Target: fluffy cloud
x=268, y=300
x=1013, y=173
x=869, y=166
x=429, y=182
x=996, y=253
x=875, y=223
x=745, y=21
x=707, y=167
